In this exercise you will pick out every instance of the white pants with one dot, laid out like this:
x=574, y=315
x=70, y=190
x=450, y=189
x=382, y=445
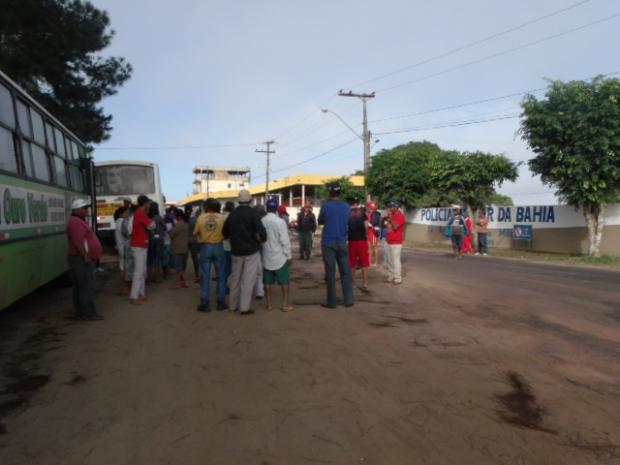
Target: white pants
x=393, y=262
x=139, y=272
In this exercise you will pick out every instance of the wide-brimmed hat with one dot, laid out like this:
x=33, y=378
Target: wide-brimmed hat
x=245, y=196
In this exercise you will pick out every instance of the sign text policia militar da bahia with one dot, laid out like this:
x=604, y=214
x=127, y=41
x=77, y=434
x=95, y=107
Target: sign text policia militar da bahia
x=23, y=208
x=539, y=216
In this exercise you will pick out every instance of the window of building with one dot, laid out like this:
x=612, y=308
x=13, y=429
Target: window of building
x=39, y=160
x=8, y=162
x=6, y=107
x=26, y=157
x=60, y=171
x=23, y=118
x=37, y=126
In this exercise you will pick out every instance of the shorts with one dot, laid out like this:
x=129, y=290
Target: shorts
x=358, y=251
x=372, y=237
x=280, y=276
x=457, y=241
x=180, y=262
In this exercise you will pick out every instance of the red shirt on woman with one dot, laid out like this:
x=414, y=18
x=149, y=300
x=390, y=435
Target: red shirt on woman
x=140, y=234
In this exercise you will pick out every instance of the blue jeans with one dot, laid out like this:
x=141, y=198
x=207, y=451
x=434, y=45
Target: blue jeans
x=212, y=254
x=337, y=254
x=482, y=243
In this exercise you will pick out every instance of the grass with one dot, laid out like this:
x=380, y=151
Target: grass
x=606, y=261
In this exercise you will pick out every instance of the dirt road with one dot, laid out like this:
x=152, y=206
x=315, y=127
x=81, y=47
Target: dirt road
x=479, y=361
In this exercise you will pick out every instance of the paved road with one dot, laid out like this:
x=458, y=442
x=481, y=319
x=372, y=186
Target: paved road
x=484, y=360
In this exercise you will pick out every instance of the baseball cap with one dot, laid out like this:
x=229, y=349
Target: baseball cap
x=79, y=203
x=334, y=188
x=282, y=209
x=245, y=196
x=272, y=203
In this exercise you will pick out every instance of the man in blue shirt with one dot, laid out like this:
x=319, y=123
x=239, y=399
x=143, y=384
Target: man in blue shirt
x=334, y=217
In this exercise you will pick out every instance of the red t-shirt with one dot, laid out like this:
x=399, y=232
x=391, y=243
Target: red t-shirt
x=396, y=235
x=139, y=234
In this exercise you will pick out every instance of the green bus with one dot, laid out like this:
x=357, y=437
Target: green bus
x=43, y=168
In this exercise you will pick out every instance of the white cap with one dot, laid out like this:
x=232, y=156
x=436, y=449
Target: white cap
x=80, y=203
x=245, y=196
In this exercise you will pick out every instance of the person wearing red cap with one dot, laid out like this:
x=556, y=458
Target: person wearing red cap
x=374, y=231
x=282, y=213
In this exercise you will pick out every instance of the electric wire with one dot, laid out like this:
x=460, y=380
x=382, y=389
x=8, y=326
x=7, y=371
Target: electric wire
x=498, y=54
x=471, y=44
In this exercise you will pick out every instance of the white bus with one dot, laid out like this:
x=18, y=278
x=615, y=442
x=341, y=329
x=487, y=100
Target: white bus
x=120, y=179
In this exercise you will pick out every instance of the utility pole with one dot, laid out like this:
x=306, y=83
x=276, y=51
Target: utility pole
x=366, y=133
x=267, y=152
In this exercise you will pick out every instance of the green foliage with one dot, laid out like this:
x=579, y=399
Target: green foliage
x=49, y=47
x=500, y=200
x=575, y=134
x=420, y=174
x=349, y=191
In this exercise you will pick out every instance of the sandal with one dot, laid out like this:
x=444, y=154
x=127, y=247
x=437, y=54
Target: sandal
x=287, y=308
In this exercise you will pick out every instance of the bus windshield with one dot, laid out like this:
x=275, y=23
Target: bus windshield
x=124, y=180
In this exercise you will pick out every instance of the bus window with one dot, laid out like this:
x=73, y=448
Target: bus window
x=60, y=143
x=37, y=127
x=49, y=131
x=74, y=151
x=28, y=167
x=41, y=167
x=124, y=180
x=8, y=162
x=60, y=170
x=23, y=118
x=77, y=181
x=6, y=107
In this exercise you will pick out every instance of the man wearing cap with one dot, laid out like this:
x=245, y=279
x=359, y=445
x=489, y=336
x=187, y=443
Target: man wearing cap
x=306, y=226
x=334, y=216
x=208, y=231
x=276, y=254
x=395, y=234
x=246, y=233
x=84, y=250
x=141, y=225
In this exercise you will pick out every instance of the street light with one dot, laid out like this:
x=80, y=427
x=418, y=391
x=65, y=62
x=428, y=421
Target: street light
x=365, y=138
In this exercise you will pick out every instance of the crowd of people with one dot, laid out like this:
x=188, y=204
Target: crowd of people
x=246, y=249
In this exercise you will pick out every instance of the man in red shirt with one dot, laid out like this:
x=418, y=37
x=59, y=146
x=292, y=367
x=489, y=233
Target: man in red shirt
x=141, y=226
x=395, y=235
x=84, y=249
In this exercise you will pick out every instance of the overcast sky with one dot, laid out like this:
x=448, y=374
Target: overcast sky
x=210, y=73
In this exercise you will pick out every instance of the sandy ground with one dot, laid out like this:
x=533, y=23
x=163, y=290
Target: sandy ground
x=480, y=361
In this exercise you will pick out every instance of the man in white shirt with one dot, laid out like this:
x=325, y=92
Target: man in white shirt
x=276, y=255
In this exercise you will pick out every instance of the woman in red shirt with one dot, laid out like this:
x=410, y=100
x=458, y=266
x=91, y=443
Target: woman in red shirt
x=142, y=224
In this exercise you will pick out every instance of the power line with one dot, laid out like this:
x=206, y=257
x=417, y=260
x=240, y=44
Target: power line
x=451, y=124
x=472, y=44
x=312, y=158
x=179, y=147
x=498, y=54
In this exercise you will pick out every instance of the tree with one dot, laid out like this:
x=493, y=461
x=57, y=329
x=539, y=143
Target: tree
x=50, y=48
x=575, y=133
x=474, y=176
x=349, y=191
x=501, y=200
x=403, y=173
x=420, y=174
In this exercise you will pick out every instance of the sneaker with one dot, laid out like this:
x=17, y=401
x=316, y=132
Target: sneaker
x=484, y=254
x=247, y=312
x=259, y=297
x=477, y=253
x=221, y=306
x=397, y=282
x=203, y=308
x=99, y=270
x=327, y=306
x=94, y=317
x=348, y=305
